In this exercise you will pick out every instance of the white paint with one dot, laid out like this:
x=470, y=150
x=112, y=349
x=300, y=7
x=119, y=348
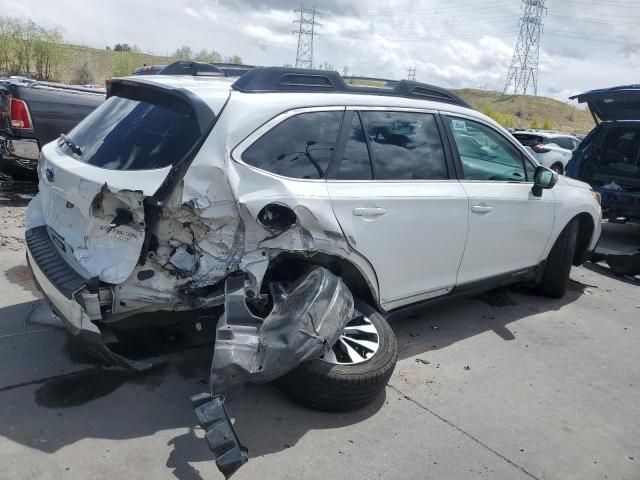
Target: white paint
x=425, y=237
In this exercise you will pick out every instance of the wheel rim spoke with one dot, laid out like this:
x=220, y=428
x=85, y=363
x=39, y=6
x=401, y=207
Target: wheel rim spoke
x=358, y=342
x=360, y=328
x=366, y=344
x=352, y=353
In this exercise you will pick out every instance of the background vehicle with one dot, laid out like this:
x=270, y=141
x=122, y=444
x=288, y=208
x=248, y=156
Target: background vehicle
x=551, y=149
x=35, y=113
x=609, y=157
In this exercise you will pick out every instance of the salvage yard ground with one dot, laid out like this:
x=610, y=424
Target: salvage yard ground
x=506, y=386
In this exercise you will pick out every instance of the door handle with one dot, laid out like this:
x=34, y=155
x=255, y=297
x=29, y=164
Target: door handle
x=481, y=209
x=369, y=211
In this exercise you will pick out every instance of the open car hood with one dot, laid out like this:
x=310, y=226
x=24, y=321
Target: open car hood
x=614, y=103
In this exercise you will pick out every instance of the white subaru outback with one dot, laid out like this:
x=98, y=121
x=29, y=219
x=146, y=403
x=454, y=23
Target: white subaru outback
x=303, y=205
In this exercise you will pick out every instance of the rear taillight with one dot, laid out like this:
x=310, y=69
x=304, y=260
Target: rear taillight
x=540, y=149
x=20, y=118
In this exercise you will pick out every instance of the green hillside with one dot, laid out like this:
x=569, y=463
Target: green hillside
x=525, y=111
x=101, y=64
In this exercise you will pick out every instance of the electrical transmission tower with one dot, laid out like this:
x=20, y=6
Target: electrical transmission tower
x=411, y=74
x=523, y=72
x=307, y=23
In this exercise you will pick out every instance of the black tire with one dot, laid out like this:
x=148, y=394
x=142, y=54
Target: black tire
x=341, y=388
x=555, y=277
x=558, y=168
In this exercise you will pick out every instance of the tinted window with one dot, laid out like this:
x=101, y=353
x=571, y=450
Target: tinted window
x=299, y=147
x=562, y=142
x=486, y=154
x=405, y=146
x=124, y=134
x=355, y=164
x=529, y=140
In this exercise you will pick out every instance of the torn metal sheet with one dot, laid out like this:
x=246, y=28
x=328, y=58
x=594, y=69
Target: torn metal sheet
x=306, y=320
x=219, y=432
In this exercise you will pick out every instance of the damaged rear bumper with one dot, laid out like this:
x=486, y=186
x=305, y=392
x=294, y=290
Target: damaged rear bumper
x=64, y=290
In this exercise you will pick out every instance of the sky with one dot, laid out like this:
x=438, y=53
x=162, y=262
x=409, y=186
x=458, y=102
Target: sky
x=457, y=44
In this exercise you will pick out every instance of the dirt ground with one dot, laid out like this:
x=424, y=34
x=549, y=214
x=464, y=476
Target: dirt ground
x=508, y=386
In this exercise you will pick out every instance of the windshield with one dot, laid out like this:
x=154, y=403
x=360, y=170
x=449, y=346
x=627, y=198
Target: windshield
x=125, y=134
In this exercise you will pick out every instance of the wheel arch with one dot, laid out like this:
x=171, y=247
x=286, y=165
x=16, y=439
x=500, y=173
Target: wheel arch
x=586, y=227
x=287, y=264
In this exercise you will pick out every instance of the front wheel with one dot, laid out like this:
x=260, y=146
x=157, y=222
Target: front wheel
x=558, y=168
x=555, y=277
x=353, y=372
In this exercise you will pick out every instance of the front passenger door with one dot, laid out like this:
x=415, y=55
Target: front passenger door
x=509, y=227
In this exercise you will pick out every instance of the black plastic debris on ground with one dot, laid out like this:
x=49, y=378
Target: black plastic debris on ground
x=223, y=441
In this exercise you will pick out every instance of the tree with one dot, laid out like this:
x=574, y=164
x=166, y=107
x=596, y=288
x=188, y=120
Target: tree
x=27, y=48
x=123, y=47
x=183, y=53
x=208, y=56
x=47, y=53
x=233, y=59
x=82, y=75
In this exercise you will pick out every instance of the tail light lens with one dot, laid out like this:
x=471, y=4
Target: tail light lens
x=540, y=149
x=20, y=117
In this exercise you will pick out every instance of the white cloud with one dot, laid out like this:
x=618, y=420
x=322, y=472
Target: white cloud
x=191, y=11
x=462, y=44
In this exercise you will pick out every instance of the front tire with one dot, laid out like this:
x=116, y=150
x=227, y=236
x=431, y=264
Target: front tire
x=555, y=277
x=354, y=372
x=558, y=168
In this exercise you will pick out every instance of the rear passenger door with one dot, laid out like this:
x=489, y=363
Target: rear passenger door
x=396, y=198
x=509, y=227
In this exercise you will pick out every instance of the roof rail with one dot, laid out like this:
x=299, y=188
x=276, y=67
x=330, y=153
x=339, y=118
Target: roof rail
x=198, y=69
x=233, y=69
x=282, y=79
x=187, y=67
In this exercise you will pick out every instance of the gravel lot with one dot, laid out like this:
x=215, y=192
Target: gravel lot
x=505, y=386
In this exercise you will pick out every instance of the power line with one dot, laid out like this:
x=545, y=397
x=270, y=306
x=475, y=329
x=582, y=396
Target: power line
x=524, y=64
x=306, y=33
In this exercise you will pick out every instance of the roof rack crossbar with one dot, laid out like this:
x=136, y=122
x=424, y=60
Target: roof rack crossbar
x=283, y=79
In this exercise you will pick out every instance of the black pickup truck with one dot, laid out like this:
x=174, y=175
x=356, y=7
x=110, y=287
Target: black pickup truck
x=34, y=114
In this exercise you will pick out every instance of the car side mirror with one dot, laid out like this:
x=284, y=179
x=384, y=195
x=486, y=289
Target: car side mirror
x=543, y=178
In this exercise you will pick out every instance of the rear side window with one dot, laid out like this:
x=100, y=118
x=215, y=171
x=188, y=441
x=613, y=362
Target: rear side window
x=125, y=134
x=405, y=146
x=299, y=147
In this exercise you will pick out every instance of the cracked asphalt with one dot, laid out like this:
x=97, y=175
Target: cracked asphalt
x=505, y=386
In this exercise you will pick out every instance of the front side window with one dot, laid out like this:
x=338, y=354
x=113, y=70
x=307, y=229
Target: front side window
x=485, y=154
x=405, y=146
x=299, y=147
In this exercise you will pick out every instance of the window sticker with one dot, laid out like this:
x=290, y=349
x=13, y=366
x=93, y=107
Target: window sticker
x=459, y=125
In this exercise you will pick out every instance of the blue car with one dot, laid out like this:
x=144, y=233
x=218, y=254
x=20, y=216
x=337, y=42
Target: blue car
x=609, y=157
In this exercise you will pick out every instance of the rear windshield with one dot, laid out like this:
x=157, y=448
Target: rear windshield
x=125, y=134
x=529, y=140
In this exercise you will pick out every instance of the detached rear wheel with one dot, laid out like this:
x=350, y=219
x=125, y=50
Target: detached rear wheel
x=351, y=374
